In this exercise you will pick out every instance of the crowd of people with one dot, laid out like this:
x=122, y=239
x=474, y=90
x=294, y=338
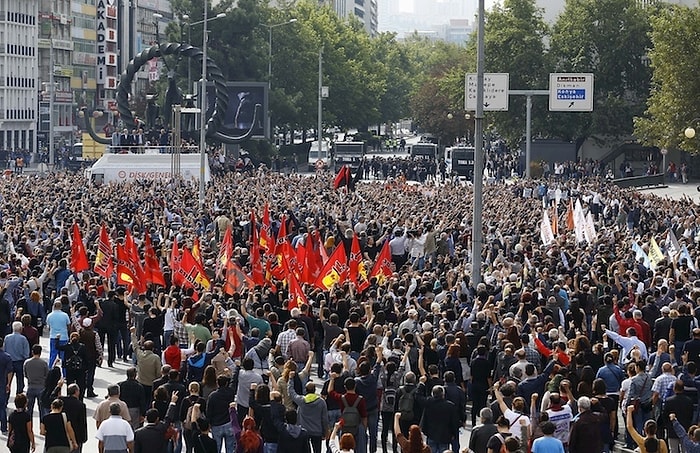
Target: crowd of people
x=552, y=343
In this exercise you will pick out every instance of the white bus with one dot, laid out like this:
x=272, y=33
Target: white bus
x=319, y=158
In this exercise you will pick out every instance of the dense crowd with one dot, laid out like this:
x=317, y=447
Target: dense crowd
x=552, y=343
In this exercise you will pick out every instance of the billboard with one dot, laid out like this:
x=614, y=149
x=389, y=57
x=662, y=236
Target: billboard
x=242, y=97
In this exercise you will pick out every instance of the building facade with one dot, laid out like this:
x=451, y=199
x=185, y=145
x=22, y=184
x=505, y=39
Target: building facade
x=19, y=74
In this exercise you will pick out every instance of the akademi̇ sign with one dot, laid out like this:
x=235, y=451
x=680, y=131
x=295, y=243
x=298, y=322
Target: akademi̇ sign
x=105, y=11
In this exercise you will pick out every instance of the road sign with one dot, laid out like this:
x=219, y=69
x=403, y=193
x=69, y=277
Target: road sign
x=571, y=92
x=495, y=92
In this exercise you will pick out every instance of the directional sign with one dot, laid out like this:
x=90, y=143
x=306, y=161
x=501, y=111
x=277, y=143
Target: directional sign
x=495, y=92
x=571, y=92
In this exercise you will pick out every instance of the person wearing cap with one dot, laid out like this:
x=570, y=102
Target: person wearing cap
x=93, y=355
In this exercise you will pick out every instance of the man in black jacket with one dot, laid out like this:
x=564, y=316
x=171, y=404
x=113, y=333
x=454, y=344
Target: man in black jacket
x=455, y=394
x=409, y=388
x=76, y=414
x=681, y=405
x=440, y=423
x=218, y=414
x=107, y=327
x=132, y=394
x=151, y=437
x=293, y=438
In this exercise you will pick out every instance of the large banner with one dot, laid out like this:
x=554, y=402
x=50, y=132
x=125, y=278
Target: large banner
x=242, y=98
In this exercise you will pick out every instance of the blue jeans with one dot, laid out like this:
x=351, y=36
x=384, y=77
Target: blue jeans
x=223, y=434
x=269, y=447
x=3, y=409
x=333, y=417
x=18, y=369
x=373, y=428
x=436, y=446
x=33, y=395
x=54, y=352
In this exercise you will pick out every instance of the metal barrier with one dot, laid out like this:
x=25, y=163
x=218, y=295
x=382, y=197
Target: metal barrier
x=656, y=180
x=152, y=149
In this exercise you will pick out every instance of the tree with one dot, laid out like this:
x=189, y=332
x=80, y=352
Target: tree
x=608, y=38
x=672, y=105
x=514, y=42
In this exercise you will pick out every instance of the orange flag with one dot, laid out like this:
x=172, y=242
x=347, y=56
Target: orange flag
x=382, y=267
x=570, y=216
x=555, y=222
x=153, y=272
x=78, y=255
x=103, y=262
x=266, y=242
x=335, y=271
x=256, y=268
x=225, y=252
x=175, y=264
x=236, y=279
x=202, y=278
x=358, y=273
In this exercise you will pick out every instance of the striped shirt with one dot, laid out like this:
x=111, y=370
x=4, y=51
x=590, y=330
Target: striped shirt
x=115, y=433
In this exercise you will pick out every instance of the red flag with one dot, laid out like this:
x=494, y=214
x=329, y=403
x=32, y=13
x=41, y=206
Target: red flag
x=126, y=274
x=296, y=295
x=335, y=271
x=358, y=273
x=283, y=253
x=78, y=256
x=175, y=264
x=153, y=272
x=103, y=262
x=140, y=274
x=302, y=265
x=225, y=252
x=256, y=268
x=189, y=269
x=342, y=178
x=382, y=267
x=266, y=242
x=236, y=279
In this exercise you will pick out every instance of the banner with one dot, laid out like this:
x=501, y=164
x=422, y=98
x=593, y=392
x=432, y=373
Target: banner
x=640, y=254
x=103, y=260
x=335, y=271
x=546, y=234
x=655, y=255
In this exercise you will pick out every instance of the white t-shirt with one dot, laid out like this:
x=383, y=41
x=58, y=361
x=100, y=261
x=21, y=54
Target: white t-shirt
x=562, y=422
x=514, y=421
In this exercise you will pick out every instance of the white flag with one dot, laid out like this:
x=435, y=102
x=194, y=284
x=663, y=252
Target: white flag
x=591, y=234
x=639, y=254
x=579, y=222
x=546, y=233
x=686, y=255
x=672, y=246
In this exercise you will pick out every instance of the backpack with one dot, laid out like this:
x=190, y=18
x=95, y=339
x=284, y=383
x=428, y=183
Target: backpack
x=74, y=362
x=351, y=416
x=187, y=423
x=406, y=404
x=503, y=448
x=388, y=399
x=195, y=367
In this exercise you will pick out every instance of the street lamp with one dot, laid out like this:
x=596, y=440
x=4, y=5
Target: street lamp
x=269, y=58
x=186, y=18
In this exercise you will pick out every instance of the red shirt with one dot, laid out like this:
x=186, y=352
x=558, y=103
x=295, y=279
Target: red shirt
x=173, y=356
x=350, y=398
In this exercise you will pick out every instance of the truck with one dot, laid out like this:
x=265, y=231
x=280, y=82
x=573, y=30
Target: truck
x=135, y=167
x=318, y=158
x=424, y=150
x=459, y=160
x=348, y=153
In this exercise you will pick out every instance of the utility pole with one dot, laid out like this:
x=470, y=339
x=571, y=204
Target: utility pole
x=319, y=131
x=52, y=91
x=478, y=152
x=203, y=114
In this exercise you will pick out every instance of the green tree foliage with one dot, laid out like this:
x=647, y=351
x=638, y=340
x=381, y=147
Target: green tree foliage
x=610, y=39
x=514, y=43
x=674, y=58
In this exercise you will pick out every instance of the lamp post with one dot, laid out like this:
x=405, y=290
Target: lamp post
x=270, y=27
x=477, y=220
x=186, y=18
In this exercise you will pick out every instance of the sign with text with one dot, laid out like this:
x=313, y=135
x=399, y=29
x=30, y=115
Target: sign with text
x=571, y=92
x=495, y=92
